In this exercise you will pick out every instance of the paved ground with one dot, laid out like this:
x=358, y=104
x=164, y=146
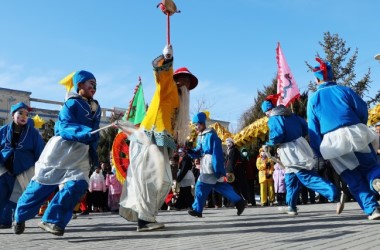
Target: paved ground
x=316, y=227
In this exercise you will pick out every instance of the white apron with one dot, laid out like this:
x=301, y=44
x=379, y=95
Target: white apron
x=296, y=155
x=339, y=146
x=62, y=161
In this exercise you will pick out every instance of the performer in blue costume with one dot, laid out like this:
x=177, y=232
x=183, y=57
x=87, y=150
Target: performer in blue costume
x=66, y=159
x=337, y=119
x=212, y=172
x=21, y=146
x=287, y=131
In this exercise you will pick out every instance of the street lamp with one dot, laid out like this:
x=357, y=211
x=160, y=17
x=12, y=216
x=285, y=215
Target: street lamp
x=377, y=57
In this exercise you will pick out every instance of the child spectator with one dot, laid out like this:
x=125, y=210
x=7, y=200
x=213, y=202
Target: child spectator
x=114, y=191
x=279, y=184
x=97, y=188
x=185, y=179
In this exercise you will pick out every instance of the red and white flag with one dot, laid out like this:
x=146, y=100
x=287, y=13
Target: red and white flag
x=286, y=84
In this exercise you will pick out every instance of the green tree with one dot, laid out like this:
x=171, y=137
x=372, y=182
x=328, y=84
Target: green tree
x=48, y=130
x=343, y=63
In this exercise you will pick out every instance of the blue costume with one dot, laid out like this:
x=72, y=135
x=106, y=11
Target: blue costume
x=21, y=146
x=65, y=160
x=287, y=130
x=6, y=215
x=212, y=171
x=337, y=119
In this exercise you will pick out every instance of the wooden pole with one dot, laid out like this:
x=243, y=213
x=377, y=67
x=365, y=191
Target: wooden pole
x=168, y=27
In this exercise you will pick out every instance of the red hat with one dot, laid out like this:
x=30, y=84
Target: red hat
x=185, y=71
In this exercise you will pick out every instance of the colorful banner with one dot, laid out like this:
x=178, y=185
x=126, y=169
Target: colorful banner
x=137, y=109
x=286, y=84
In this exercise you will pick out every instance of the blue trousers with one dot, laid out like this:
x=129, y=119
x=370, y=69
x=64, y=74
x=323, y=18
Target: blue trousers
x=360, y=179
x=7, y=182
x=311, y=180
x=202, y=190
x=60, y=208
x=6, y=213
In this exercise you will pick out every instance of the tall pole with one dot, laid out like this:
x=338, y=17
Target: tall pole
x=168, y=7
x=168, y=27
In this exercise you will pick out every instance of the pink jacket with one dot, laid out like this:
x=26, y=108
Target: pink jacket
x=279, y=179
x=114, y=186
x=97, y=182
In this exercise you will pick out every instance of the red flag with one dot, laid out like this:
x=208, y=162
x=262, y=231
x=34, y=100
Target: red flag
x=286, y=84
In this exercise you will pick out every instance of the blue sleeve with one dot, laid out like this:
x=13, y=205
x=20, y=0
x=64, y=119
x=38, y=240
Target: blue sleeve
x=315, y=136
x=196, y=152
x=276, y=133
x=5, y=146
x=3, y=134
x=69, y=125
x=304, y=126
x=358, y=106
x=217, y=156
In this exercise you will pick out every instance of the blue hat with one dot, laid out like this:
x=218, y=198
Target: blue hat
x=266, y=105
x=18, y=106
x=323, y=71
x=80, y=77
x=199, y=118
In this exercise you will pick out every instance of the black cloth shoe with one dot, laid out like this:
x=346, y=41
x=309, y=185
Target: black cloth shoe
x=19, y=227
x=51, y=228
x=145, y=226
x=150, y=227
x=240, y=207
x=5, y=226
x=86, y=212
x=195, y=213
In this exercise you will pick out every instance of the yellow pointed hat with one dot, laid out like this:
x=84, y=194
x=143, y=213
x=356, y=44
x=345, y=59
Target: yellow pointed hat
x=68, y=81
x=38, y=121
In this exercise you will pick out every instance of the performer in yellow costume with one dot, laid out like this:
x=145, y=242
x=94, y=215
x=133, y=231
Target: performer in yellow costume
x=149, y=176
x=159, y=121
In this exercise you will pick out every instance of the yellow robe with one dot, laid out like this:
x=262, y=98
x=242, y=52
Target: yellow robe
x=160, y=118
x=266, y=184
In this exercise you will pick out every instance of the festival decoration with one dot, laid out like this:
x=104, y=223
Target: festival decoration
x=221, y=131
x=38, y=121
x=120, y=156
x=193, y=133
x=137, y=109
x=256, y=130
x=133, y=116
x=286, y=84
x=374, y=115
x=168, y=7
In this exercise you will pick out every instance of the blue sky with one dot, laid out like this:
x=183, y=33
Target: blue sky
x=228, y=45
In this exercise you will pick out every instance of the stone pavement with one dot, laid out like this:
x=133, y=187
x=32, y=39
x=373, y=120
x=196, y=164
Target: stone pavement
x=316, y=227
